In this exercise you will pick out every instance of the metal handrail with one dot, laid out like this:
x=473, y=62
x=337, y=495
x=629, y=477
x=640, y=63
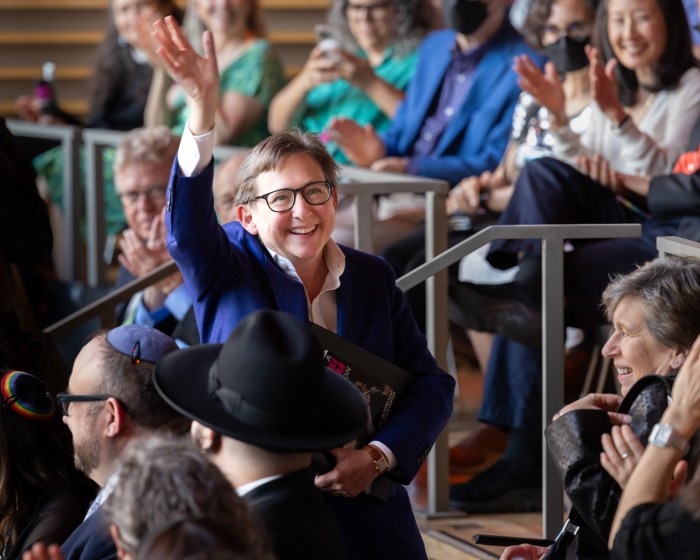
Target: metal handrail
x=553, y=237
x=104, y=308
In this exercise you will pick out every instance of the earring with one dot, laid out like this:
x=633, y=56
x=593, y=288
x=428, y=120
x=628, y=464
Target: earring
x=675, y=363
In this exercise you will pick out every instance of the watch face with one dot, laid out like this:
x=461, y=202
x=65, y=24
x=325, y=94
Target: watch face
x=663, y=436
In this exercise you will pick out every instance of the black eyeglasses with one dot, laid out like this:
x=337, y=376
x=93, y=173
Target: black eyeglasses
x=316, y=193
x=64, y=399
x=379, y=10
x=153, y=194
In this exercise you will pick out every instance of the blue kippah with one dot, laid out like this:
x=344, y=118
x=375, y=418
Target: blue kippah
x=141, y=343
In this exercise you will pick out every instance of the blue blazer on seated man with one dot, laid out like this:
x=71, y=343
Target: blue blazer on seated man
x=476, y=135
x=229, y=274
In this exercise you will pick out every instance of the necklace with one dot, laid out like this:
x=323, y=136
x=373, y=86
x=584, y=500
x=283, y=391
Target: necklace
x=639, y=114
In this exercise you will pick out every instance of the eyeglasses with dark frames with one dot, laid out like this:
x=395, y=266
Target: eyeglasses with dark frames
x=153, y=194
x=65, y=399
x=380, y=10
x=282, y=200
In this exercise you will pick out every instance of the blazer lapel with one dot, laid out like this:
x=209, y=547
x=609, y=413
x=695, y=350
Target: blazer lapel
x=351, y=298
x=288, y=294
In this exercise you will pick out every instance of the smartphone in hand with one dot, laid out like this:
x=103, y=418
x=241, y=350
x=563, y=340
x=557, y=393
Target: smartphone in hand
x=327, y=41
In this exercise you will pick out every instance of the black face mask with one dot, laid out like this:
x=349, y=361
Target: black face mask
x=464, y=16
x=568, y=54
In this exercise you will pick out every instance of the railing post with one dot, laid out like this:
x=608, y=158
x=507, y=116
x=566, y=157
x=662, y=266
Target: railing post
x=552, y=373
x=73, y=205
x=437, y=333
x=94, y=203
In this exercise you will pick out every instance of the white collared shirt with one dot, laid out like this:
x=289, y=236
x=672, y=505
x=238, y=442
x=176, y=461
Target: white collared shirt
x=194, y=154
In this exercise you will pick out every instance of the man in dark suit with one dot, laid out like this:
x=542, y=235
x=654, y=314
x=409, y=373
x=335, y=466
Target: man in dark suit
x=261, y=403
x=111, y=400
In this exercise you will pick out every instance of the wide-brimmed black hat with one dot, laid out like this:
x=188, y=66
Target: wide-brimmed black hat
x=267, y=386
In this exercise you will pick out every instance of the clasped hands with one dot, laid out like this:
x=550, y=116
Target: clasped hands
x=353, y=473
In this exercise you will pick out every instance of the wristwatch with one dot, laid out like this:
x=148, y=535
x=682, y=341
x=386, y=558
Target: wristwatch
x=663, y=435
x=378, y=457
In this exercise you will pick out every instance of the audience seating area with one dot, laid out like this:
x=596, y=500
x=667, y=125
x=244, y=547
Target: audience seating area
x=67, y=32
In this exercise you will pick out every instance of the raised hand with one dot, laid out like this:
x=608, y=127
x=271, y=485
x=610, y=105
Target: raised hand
x=604, y=86
x=198, y=76
x=545, y=86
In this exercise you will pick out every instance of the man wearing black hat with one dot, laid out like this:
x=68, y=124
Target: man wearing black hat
x=111, y=400
x=261, y=403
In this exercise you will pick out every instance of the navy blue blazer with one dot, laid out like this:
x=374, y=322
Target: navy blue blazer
x=90, y=541
x=229, y=274
x=478, y=133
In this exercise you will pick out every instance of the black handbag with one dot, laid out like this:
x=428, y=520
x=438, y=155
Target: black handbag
x=573, y=442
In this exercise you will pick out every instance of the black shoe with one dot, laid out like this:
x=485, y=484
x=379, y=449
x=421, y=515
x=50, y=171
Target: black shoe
x=504, y=488
x=505, y=309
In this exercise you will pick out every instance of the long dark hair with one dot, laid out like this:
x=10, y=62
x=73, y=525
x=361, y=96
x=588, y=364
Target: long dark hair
x=676, y=59
x=36, y=459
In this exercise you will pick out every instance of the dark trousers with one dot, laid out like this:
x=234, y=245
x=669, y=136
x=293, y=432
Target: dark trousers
x=549, y=191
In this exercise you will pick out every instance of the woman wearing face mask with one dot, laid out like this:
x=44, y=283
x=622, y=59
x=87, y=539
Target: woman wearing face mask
x=646, y=91
x=561, y=29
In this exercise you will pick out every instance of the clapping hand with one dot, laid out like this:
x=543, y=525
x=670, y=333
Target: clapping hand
x=39, y=551
x=598, y=168
x=621, y=453
x=604, y=86
x=545, y=86
x=361, y=144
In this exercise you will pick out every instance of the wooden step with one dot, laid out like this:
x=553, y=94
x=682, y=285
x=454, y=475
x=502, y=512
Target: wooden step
x=33, y=72
x=93, y=38
x=104, y=4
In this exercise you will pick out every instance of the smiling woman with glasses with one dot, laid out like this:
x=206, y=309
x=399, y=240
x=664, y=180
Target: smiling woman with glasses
x=282, y=200
x=280, y=255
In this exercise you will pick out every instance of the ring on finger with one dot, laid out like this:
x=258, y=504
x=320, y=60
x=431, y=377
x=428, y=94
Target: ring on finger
x=624, y=456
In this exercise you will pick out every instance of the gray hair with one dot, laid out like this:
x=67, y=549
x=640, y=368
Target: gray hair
x=411, y=25
x=164, y=480
x=154, y=144
x=668, y=291
x=270, y=153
